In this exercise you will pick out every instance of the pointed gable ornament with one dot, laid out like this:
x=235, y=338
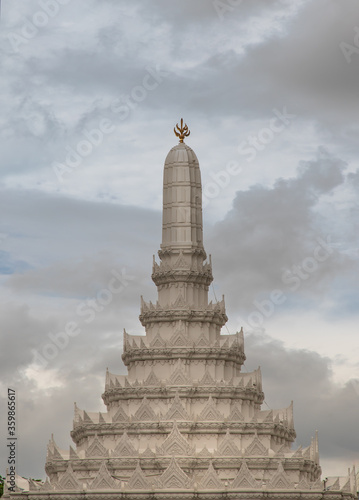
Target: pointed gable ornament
x=52, y=450
x=68, y=480
x=96, y=449
x=235, y=414
x=181, y=262
x=103, y=480
x=152, y=380
x=205, y=453
x=317, y=485
x=124, y=447
x=210, y=412
x=306, y=452
x=34, y=485
x=56, y=455
x=158, y=341
x=148, y=453
x=134, y=344
x=47, y=486
x=207, y=379
x=179, y=376
x=178, y=339
x=117, y=383
x=87, y=418
x=303, y=484
x=176, y=444
x=180, y=302
x=244, y=478
x=280, y=480
x=227, y=448
x=256, y=448
x=298, y=453
x=145, y=413
x=216, y=343
x=281, y=451
x=240, y=381
x=138, y=480
x=202, y=341
x=49, y=454
x=176, y=411
x=269, y=417
x=210, y=480
x=346, y=487
x=120, y=415
x=335, y=485
x=73, y=455
x=174, y=476
x=225, y=344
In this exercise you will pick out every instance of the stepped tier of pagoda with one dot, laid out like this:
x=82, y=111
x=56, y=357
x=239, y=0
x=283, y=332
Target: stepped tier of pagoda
x=185, y=422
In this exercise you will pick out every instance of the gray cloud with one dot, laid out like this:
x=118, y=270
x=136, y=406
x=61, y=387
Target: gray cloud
x=61, y=240
x=20, y=328
x=271, y=229
x=74, y=228
x=319, y=403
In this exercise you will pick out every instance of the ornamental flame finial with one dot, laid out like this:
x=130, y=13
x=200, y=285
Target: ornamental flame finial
x=182, y=131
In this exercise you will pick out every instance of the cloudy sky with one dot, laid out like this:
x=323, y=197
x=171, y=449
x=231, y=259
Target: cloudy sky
x=90, y=92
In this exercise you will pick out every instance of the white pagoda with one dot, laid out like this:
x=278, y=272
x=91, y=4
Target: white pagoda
x=185, y=423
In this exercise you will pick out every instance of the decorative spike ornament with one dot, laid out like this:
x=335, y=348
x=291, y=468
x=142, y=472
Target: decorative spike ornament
x=182, y=131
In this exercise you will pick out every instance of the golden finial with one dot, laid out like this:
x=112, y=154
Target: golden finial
x=182, y=131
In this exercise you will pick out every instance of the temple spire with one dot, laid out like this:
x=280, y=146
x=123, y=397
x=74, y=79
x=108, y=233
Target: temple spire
x=185, y=422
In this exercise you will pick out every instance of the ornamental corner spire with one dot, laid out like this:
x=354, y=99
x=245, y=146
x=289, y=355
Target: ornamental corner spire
x=182, y=131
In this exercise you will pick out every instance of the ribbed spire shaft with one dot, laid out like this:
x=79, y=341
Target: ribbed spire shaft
x=182, y=201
